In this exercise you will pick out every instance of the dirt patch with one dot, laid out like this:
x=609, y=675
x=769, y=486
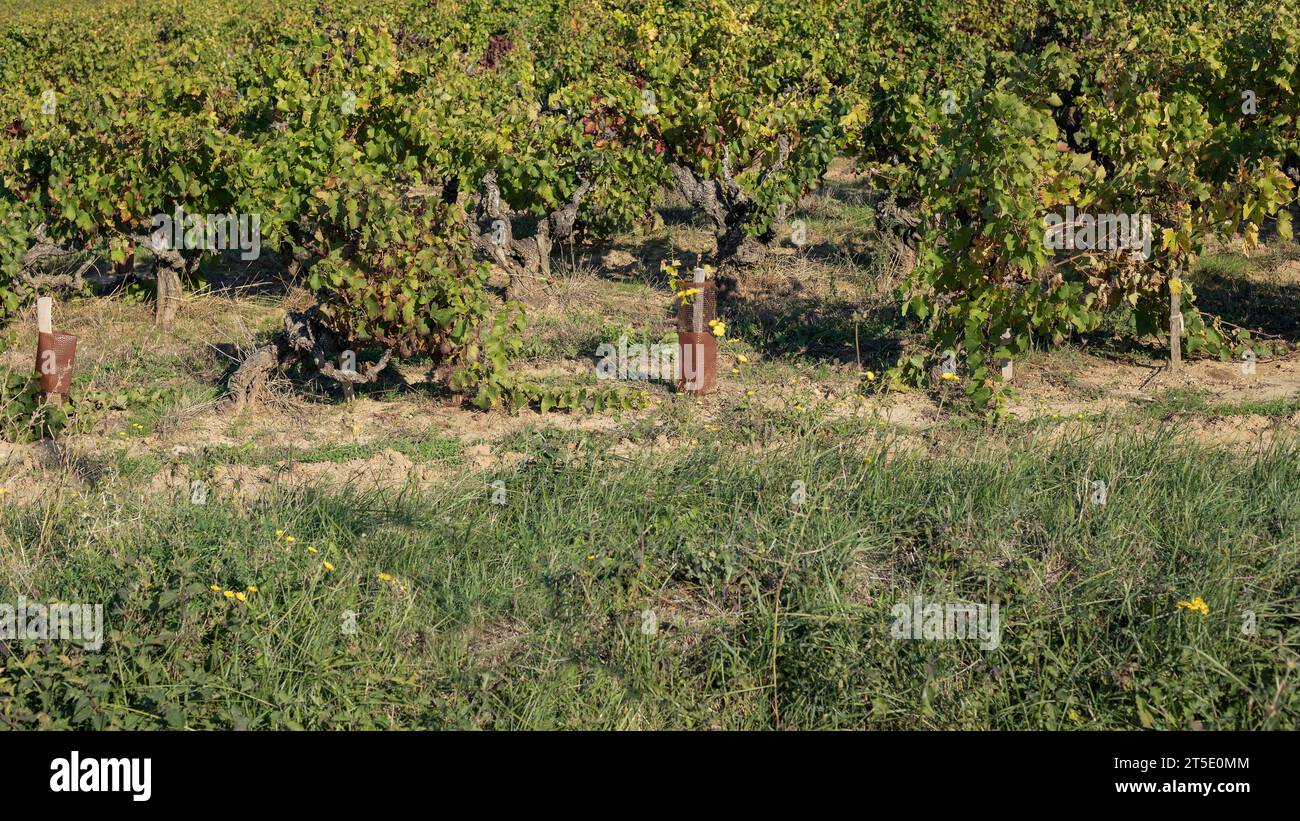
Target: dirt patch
x=1092, y=385
x=386, y=470
x=1243, y=433
x=864, y=581
x=368, y=422
x=493, y=643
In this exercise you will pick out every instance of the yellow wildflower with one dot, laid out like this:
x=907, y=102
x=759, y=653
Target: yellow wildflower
x=311, y=549
x=951, y=377
x=327, y=565
x=289, y=540
x=871, y=376
x=252, y=588
x=230, y=594
x=216, y=588
x=384, y=577
x=241, y=597
x=742, y=359
x=1196, y=605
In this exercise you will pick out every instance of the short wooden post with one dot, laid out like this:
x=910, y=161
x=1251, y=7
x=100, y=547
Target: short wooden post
x=1008, y=364
x=697, y=317
x=1175, y=324
x=168, y=294
x=45, y=315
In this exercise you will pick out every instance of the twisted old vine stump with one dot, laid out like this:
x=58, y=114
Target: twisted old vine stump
x=304, y=336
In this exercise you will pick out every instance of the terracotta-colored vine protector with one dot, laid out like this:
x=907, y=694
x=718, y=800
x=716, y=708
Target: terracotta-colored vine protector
x=697, y=347
x=697, y=355
x=55, y=354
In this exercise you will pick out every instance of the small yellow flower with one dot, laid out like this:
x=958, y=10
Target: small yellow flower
x=384, y=577
x=735, y=370
x=327, y=565
x=871, y=376
x=311, y=549
x=230, y=594
x=1175, y=286
x=356, y=428
x=590, y=557
x=950, y=377
x=252, y=588
x=742, y=359
x=749, y=393
x=241, y=597
x=289, y=540
x=279, y=533
x=1196, y=605
x=216, y=588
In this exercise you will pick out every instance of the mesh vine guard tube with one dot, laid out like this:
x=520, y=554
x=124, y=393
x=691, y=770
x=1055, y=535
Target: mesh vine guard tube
x=697, y=347
x=55, y=354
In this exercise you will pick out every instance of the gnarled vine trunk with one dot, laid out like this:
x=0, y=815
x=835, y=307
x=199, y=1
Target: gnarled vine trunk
x=526, y=260
x=304, y=335
x=729, y=208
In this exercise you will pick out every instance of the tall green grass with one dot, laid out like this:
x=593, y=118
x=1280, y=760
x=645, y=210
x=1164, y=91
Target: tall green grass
x=687, y=590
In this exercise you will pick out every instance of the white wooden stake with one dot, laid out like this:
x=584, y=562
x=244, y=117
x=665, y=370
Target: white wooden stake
x=45, y=315
x=1175, y=332
x=697, y=318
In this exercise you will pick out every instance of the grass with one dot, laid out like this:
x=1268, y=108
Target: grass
x=768, y=612
x=423, y=449
x=1190, y=401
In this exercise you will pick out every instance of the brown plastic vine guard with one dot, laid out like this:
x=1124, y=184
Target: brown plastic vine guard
x=697, y=347
x=55, y=354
